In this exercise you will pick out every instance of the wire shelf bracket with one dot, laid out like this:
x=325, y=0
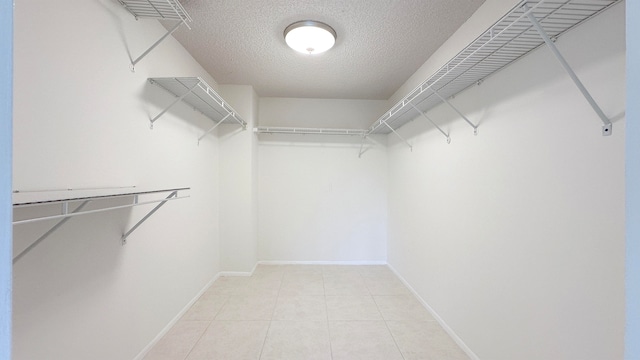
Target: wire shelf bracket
x=65, y=215
x=527, y=26
x=607, y=126
x=433, y=123
x=160, y=10
x=200, y=96
x=475, y=127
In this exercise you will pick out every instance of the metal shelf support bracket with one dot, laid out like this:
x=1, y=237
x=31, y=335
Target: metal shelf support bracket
x=607, y=126
x=215, y=126
x=65, y=207
x=364, y=138
x=474, y=126
x=125, y=235
x=398, y=135
x=177, y=100
x=134, y=62
x=433, y=123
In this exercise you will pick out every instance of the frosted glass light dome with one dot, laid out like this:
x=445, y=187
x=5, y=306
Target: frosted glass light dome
x=310, y=37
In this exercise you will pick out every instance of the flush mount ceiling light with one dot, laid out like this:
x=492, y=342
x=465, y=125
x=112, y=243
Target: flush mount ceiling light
x=310, y=37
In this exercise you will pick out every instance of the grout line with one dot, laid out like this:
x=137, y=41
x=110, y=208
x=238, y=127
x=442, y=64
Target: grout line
x=264, y=342
x=197, y=341
x=326, y=307
x=175, y=320
x=467, y=350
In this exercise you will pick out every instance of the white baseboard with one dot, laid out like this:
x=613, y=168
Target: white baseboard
x=235, y=273
x=173, y=321
x=358, y=262
x=435, y=315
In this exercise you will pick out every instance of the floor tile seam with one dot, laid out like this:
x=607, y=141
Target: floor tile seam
x=273, y=312
x=394, y=339
x=264, y=341
x=197, y=341
x=326, y=308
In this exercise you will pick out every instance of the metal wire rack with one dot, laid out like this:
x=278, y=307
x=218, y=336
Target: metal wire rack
x=160, y=10
x=526, y=27
x=198, y=94
x=308, y=131
x=156, y=9
x=73, y=202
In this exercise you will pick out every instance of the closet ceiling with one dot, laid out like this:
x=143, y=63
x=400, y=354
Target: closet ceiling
x=380, y=44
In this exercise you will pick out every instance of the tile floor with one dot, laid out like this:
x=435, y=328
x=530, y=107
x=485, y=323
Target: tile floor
x=308, y=312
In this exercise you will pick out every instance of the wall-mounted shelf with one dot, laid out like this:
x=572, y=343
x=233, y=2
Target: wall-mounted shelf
x=308, y=131
x=73, y=202
x=523, y=29
x=197, y=93
x=160, y=10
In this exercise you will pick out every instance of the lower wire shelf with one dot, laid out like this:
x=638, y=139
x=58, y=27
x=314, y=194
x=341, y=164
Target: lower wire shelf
x=79, y=199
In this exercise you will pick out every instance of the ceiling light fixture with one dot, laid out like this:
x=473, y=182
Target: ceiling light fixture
x=310, y=37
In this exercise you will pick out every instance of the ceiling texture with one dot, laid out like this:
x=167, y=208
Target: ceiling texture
x=380, y=43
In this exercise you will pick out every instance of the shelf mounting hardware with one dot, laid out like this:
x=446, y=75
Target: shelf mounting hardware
x=398, y=135
x=607, y=126
x=65, y=207
x=432, y=123
x=160, y=10
x=214, y=126
x=125, y=235
x=364, y=138
x=475, y=127
x=177, y=100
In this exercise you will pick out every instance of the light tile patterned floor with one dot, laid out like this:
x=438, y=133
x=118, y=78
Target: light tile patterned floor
x=308, y=312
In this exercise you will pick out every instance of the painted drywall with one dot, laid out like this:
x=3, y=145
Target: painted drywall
x=317, y=200
x=6, y=83
x=81, y=119
x=238, y=183
x=515, y=237
x=632, y=280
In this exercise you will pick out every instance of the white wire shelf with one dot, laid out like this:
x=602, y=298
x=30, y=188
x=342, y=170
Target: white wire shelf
x=512, y=37
x=199, y=95
x=160, y=10
x=73, y=202
x=308, y=131
x=156, y=9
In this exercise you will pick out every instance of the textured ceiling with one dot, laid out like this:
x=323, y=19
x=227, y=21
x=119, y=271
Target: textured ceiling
x=380, y=44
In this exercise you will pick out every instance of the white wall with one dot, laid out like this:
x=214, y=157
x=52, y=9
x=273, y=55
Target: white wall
x=6, y=67
x=317, y=200
x=632, y=335
x=238, y=183
x=82, y=120
x=515, y=237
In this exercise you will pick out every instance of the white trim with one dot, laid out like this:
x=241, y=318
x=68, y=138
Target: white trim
x=357, y=262
x=435, y=315
x=235, y=273
x=173, y=321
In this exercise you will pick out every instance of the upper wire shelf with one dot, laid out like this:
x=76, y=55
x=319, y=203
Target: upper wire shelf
x=308, y=131
x=157, y=9
x=160, y=10
x=197, y=93
x=510, y=38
